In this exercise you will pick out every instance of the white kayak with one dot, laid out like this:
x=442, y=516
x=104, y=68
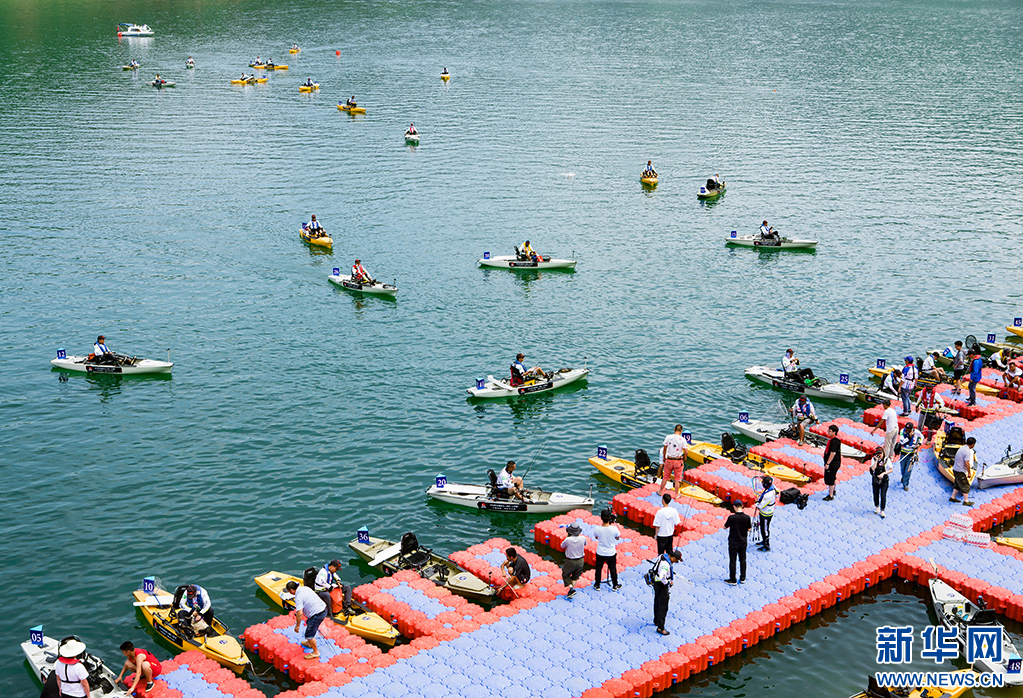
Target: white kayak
x=817, y=387
x=1008, y=471
x=126, y=365
x=764, y=431
x=956, y=612
x=161, y=85
x=483, y=497
x=411, y=137
x=778, y=244
x=492, y=387
x=511, y=261
x=376, y=287
x=102, y=680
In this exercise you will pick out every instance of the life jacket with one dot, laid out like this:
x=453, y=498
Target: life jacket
x=803, y=408
x=767, y=508
x=909, y=376
x=928, y=400
x=358, y=272
x=518, y=373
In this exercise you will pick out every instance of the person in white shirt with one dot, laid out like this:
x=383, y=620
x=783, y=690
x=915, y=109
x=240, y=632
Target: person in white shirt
x=909, y=376
x=891, y=428
x=666, y=520
x=962, y=471
x=1013, y=375
x=575, y=547
x=891, y=381
x=507, y=484
x=673, y=460
x=765, y=511
x=311, y=607
x=607, y=537
x=103, y=355
x=909, y=445
x=195, y=605
x=326, y=581
x=664, y=577
x=931, y=369
x=998, y=360
x=803, y=412
x=72, y=676
x=790, y=364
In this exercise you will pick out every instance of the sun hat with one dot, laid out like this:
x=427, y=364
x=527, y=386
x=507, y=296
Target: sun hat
x=71, y=649
x=573, y=529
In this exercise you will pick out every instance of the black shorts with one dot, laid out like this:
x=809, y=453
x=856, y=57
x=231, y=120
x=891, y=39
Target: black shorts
x=957, y=373
x=962, y=484
x=829, y=476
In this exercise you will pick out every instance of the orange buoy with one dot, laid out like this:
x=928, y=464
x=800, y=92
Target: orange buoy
x=338, y=52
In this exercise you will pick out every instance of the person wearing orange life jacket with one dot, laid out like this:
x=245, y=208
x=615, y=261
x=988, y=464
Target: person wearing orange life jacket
x=360, y=274
x=928, y=405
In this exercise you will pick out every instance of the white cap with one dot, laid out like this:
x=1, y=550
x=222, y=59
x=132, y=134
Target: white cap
x=71, y=649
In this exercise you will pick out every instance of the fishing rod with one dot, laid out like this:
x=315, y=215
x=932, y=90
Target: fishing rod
x=538, y=452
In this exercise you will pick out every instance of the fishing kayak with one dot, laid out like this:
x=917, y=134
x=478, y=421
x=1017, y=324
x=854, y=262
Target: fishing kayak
x=445, y=76
x=485, y=498
x=102, y=681
x=706, y=192
x=390, y=557
x=351, y=110
x=411, y=137
x=1016, y=543
x=375, y=288
x=492, y=387
x=250, y=81
x=362, y=622
x=958, y=687
x=648, y=181
x=321, y=241
x=956, y=612
x=764, y=431
x=161, y=85
x=189, y=66
x=1008, y=471
x=130, y=67
x=309, y=88
x=759, y=242
x=945, y=446
x=872, y=394
x=809, y=385
x=1015, y=329
x=624, y=472
x=700, y=452
x=218, y=644
x=126, y=365
x=512, y=261
x=294, y=50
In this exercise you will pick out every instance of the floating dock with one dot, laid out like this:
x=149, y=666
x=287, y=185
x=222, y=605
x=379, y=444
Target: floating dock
x=602, y=644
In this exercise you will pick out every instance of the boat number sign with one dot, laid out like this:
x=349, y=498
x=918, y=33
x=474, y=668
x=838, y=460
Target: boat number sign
x=442, y=482
x=362, y=535
x=991, y=338
x=744, y=417
x=688, y=436
x=732, y=234
x=881, y=364
x=535, y=387
x=149, y=585
x=480, y=383
x=486, y=255
x=1017, y=322
x=602, y=452
x=35, y=636
x=337, y=272
x=843, y=378
x=61, y=354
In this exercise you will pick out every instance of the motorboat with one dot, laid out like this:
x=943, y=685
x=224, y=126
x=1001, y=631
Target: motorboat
x=523, y=261
x=129, y=29
x=806, y=384
x=321, y=240
x=390, y=557
x=488, y=498
x=626, y=472
x=373, y=287
x=361, y=622
x=712, y=189
x=159, y=610
x=411, y=137
x=779, y=243
x=309, y=88
x=351, y=110
x=765, y=431
x=122, y=364
x=1007, y=471
x=960, y=686
x=493, y=387
x=160, y=84
x=42, y=658
x=956, y=612
x=701, y=452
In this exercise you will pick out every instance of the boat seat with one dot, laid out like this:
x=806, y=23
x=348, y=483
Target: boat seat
x=493, y=491
x=412, y=555
x=733, y=450
x=876, y=691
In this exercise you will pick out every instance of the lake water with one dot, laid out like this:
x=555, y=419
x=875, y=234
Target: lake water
x=168, y=221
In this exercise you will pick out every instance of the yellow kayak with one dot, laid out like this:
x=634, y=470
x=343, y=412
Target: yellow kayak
x=944, y=459
x=352, y=110
x=253, y=81
x=322, y=241
x=1016, y=543
x=1018, y=331
x=309, y=88
x=445, y=76
x=649, y=181
x=624, y=472
x=982, y=389
x=363, y=623
x=218, y=644
x=873, y=690
x=702, y=452
x=294, y=50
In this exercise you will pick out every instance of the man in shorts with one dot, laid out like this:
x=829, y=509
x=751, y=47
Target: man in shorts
x=673, y=459
x=311, y=607
x=515, y=568
x=890, y=418
x=958, y=368
x=574, y=546
x=666, y=521
x=962, y=471
x=832, y=461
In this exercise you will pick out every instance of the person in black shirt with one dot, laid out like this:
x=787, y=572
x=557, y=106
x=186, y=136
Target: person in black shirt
x=832, y=461
x=515, y=568
x=738, y=525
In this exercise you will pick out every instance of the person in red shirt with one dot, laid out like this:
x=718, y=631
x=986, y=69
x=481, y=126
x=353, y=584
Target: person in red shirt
x=143, y=663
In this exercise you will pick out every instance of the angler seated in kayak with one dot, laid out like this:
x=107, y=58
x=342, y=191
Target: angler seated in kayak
x=101, y=354
x=351, y=102
x=507, y=485
x=195, y=610
x=649, y=172
x=769, y=234
x=359, y=273
x=526, y=253
x=246, y=77
x=314, y=228
x=520, y=375
x=309, y=83
x=158, y=80
x=412, y=130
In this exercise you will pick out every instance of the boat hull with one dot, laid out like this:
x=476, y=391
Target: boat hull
x=496, y=388
x=648, y=181
x=352, y=110
x=309, y=88
x=322, y=241
x=776, y=379
x=764, y=432
x=476, y=497
x=254, y=81
x=81, y=364
x=701, y=452
x=42, y=660
x=375, y=289
x=512, y=262
x=758, y=242
x=705, y=193
x=623, y=472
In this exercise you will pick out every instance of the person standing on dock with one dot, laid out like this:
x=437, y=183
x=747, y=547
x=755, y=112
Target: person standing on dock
x=958, y=368
x=891, y=428
x=574, y=546
x=673, y=459
x=607, y=537
x=909, y=376
x=311, y=607
x=765, y=511
x=832, y=460
x=909, y=446
x=664, y=577
x=738, y=525
x=665, y=521
x=962, y=471
x=883, y=467
x=976, y=373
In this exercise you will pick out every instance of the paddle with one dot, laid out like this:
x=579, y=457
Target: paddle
x=156, y=600
x=384, y=555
